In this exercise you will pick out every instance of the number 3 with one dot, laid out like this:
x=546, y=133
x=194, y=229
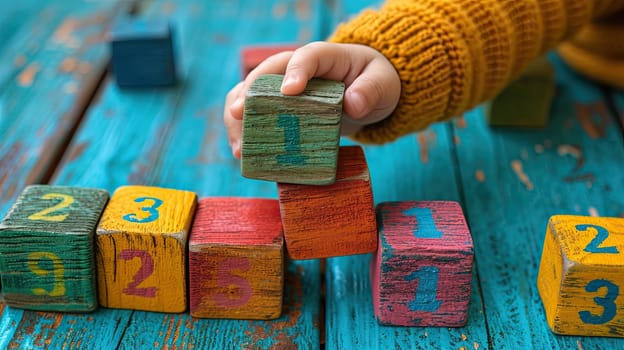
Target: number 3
x=152, y=210
x=607, y=302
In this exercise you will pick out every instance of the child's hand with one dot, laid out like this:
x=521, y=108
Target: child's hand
x=372, y=84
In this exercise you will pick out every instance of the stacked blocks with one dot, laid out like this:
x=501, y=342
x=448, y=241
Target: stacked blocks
x=422, y=271
x=142, y=53
x=236, y=259
x=526, y=101
x=292, y=139
x=252, y=56
x=581, y=275
x=141, y=248
x=46, y=255
x=332, y=220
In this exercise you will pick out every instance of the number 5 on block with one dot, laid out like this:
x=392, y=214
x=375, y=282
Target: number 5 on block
x=236, y=259
x=581, y=275
x=141, y=255
x=46, y=256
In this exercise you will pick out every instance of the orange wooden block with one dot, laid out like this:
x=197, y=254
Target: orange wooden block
x=141, y=249
x=332, y=220
x=236, y=259
x=252, y=56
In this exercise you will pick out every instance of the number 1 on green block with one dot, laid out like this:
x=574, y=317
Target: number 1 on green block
x=292, y=140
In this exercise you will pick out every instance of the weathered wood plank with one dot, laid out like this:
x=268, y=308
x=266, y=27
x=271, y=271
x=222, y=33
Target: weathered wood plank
x=52, y=58
x=423, y=172
x=175, y=138
x=514, y=181
x=51, y=70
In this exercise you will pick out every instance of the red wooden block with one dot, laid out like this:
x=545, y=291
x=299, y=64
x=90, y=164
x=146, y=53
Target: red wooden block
x=252, y=56
x=332, y=220
x=422, y=271
x=236, y=259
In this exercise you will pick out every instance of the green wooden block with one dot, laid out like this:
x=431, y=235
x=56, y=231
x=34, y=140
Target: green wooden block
x=292, y=139
x=526, y=101
x=46, y=248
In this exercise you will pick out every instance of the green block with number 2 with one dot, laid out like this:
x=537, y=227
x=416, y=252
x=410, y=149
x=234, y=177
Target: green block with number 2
x=47, y=254
x=292, y=139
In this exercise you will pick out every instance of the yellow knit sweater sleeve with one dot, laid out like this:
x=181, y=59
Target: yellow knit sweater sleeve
x=454, y=54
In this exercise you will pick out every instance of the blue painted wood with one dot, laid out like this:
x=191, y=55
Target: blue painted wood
x=424, y=171
x=50, y=61
x=513, y=181
x=176, y=138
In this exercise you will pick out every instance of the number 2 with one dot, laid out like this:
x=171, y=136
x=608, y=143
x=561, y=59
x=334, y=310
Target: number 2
x=65, y=202
x=601, y=235
x=607, y=302
x=152, y=210
x=146, y=270
x=427, y=289
x=34, y=264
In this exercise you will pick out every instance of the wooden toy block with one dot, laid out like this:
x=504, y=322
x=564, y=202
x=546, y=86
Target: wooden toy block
x=236, y=259
x=526, y=101
x=292, y=139
x=581, y=275
x=141, y=249
x=142, y=53
x=332, y=220
x=252, y=56
x=421, y=274
x=47, y=254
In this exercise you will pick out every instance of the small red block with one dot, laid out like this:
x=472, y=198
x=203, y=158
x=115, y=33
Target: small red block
x=333, y=220
x=252, y=56
x=236, y=259
x=422, y=271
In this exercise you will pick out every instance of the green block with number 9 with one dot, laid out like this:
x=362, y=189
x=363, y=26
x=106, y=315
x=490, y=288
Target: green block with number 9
x=46, y=248
x=292, y=139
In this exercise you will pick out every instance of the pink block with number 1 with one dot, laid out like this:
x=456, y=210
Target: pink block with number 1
x=236, y=259
x=422, y=271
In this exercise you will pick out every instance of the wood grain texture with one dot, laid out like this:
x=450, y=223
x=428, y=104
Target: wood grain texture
x=251, y=56
x=581, y=275
x=141, y=248
x=236, y=259
x=176, y=138
x=47, y=253
x=421, y=274
x=514, y=181
x=55, y=56
x=331, y=220
x=291, y=139
x=526, y=101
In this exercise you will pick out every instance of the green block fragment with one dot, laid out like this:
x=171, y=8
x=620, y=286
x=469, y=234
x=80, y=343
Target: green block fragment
x=292, y=139
x=47, y=251
x=526, y=101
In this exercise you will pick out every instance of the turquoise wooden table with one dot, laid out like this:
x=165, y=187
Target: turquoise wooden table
x=64, y=121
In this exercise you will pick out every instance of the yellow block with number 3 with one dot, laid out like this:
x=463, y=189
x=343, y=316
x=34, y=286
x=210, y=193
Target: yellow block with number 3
x=141, y=249
x=581, y=276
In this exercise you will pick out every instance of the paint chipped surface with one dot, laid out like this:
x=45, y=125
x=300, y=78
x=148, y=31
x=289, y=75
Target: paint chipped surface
x=279, y=10
x=594, y=118
x=28, y=75
x=460, y=122
x=424, y=150
x=480, y=175
x=593, y=212
x=516, y=165
x=539, y=149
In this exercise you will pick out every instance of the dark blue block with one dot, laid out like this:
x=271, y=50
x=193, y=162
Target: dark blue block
x=142, y=53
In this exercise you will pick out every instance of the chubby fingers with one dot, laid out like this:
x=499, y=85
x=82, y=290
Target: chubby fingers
x=233, y=125
x=275, y=64
x=374, y=93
